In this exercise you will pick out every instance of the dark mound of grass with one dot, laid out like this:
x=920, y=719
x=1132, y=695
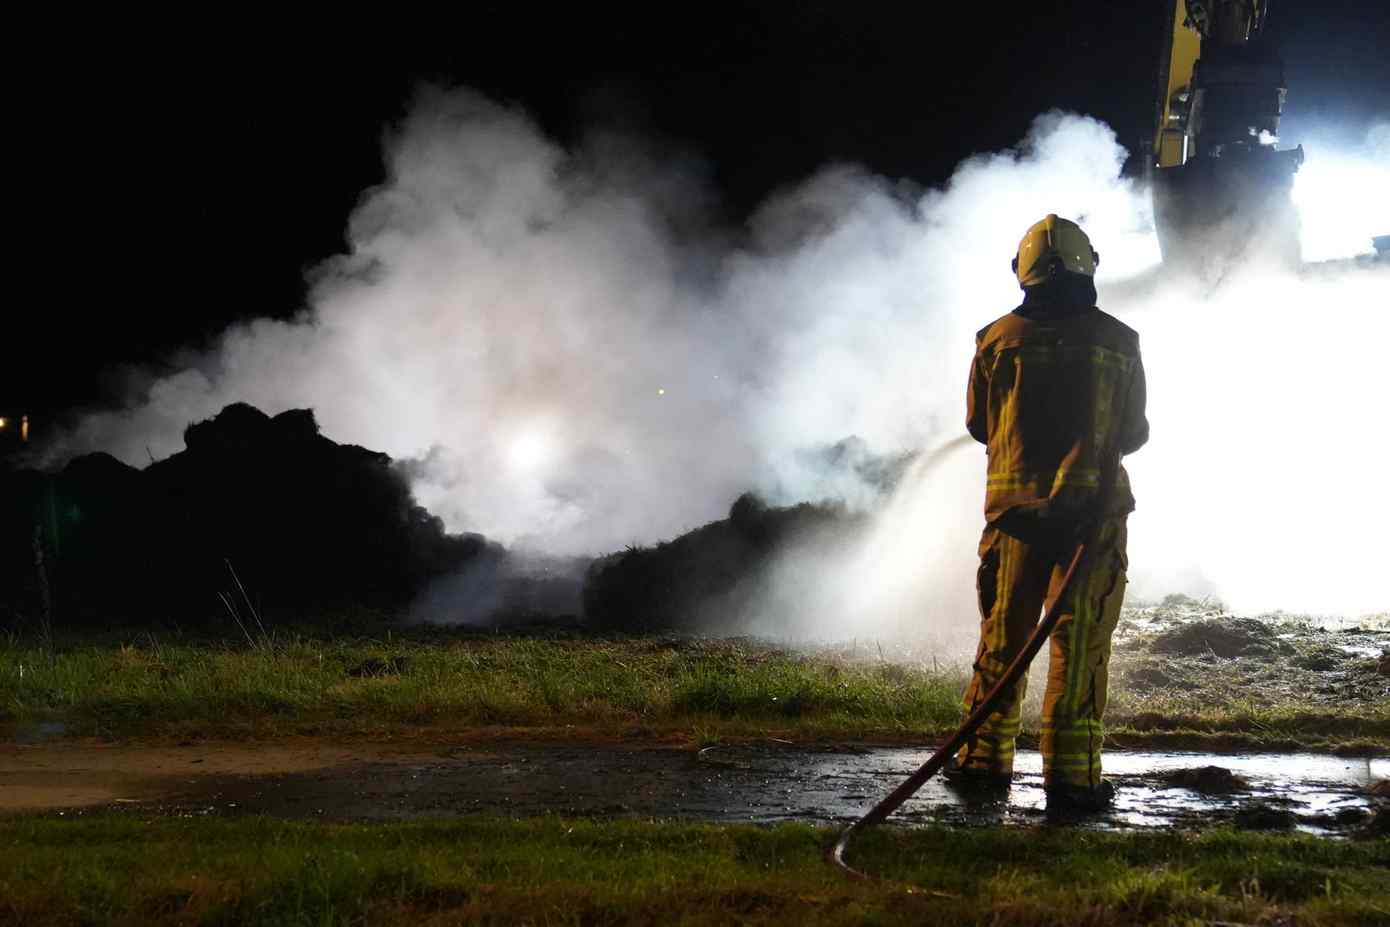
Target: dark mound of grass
x=708, y=580
x=1209, y=780
x=1226, y=637
x=1264, y=816
x=303, y=520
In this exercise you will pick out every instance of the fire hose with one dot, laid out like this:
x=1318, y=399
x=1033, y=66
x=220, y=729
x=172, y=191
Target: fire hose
x=1015, y=671
x=932, y=766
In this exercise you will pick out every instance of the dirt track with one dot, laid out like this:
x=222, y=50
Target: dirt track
x=760, y=782
x=72, y=774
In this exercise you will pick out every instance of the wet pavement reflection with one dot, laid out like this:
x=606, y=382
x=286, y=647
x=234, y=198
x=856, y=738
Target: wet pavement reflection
x=773, y=782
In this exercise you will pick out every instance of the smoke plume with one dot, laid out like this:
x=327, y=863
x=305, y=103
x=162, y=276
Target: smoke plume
x=572, y=356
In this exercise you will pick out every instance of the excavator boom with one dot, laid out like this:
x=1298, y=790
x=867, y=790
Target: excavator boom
x=1221, y=187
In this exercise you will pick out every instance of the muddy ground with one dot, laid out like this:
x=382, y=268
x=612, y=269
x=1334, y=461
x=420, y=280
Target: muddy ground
x=1170, y=658
x=763, y=782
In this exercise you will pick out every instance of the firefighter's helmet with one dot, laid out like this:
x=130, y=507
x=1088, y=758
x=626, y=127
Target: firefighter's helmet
x=1051, y=244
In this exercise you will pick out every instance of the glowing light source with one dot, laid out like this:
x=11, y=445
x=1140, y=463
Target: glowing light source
x=1342, y=203
x=4, y=422
x=529, y=449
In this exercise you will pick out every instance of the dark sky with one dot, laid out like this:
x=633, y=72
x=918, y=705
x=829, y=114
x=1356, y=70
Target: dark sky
x=173, y=176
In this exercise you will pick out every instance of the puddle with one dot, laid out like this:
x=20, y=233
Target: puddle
x=768, y=783
x=36, y=732
x=1367, y=650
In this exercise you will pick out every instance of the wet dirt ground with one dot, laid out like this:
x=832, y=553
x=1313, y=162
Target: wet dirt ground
x=763, y=782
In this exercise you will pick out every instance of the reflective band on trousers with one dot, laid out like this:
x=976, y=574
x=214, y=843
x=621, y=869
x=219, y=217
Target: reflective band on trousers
x=1016, y=582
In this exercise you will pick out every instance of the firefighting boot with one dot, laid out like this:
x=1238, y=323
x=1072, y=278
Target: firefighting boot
x=1080, y=799
x=976, y=783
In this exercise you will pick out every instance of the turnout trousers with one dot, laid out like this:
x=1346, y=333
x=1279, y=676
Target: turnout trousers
x=1016, y=581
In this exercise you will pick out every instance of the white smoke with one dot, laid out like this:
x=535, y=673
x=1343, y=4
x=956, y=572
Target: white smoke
x=1343, y=195
x=575, y=359
x=1259, y=483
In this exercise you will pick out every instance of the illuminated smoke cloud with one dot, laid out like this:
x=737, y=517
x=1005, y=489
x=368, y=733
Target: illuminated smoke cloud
x=1257, y=486
x=571, y=358
x=1343, y=196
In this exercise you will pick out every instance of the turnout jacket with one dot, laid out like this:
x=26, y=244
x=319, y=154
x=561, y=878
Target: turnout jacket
x=1045, y=397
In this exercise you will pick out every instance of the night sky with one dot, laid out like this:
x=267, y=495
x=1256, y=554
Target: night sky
x=176, y=175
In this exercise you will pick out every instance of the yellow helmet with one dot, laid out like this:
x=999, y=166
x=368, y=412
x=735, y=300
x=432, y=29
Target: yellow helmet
x=1053, y=241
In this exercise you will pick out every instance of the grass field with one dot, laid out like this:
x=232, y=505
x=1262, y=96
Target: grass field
x=152, y=685
x=123, y=869
x=309, y=685
x=1284, y=687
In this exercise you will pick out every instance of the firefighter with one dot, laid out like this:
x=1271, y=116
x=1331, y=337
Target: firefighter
x=1056, y=386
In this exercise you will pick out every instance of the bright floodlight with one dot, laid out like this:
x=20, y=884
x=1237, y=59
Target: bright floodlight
x=529, y=449
x=1342, y=204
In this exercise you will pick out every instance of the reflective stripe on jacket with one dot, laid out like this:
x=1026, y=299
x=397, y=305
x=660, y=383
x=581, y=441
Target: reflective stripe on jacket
x=1043, y=399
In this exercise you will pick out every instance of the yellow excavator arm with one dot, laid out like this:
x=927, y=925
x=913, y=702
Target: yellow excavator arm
x=1184, y=45
x=1221, y=187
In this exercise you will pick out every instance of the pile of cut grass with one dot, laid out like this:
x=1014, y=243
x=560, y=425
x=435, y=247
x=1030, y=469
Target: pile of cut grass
x=121, y=869
x=1213, y=677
